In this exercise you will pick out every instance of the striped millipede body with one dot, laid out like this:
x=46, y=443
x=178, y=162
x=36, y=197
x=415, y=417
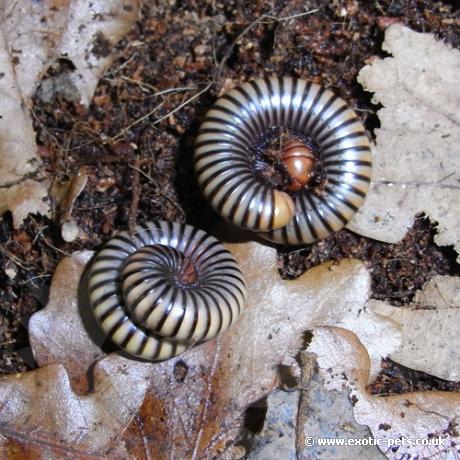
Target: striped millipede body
x=224, y=163
x=163, y=288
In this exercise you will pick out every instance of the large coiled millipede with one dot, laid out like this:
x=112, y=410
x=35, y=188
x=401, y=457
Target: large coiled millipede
x=224, y=164
x=163, y=288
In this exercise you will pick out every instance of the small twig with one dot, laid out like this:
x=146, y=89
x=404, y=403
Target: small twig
x=235, y=42
x=10, y=10
x=13, y=258
x=248, y=28
x=216, y=78
x=180, y=106
x=134, y=123
x=54, y=247
x=356, y=109
x=147, y=86
x=46, y=32
x=82, y=128
x=39, y=234
x=172, y=90
x=160, y=192
x=135, y=197
x=292, y=16
x=34, y=278
x=103, y=204
x=142, y=172
x=123, y=65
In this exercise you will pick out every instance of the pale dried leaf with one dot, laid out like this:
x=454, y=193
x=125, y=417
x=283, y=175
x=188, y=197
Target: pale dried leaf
x=417, y=160
x=57, y=333
x=40, y=32
x=18, y=156
x=89, y=24
x=202, y=409
x=32, y=31
x=41, y=412
x=431, y=342
x=22, y=199
x=344, y=364
x=17, y=139
x=32, y=36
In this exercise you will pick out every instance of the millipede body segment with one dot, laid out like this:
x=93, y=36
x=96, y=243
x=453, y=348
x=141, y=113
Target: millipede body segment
x=299, y=215
x=163, y=288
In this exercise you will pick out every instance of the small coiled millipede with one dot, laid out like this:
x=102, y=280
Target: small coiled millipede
x=236, y=121
x=165, y=287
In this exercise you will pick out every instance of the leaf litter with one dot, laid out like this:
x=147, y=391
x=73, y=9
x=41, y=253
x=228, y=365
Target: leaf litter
x=430, y=328
x=182, y=372
x=417, y=157
x=344, y=365
x=201, y=411
x=35, y=35
x=206, y=390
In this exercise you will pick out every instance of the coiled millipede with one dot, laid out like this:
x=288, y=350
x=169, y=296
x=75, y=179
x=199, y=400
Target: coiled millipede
x=225, y=159
x=164, y=288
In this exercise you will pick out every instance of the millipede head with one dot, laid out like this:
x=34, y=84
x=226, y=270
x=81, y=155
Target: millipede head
x=299, y=161
x=227, y=149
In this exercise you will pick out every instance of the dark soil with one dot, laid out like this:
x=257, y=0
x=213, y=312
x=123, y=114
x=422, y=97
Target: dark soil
x=136, y=140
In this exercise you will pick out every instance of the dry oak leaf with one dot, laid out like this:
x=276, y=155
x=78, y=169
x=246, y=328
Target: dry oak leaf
x=32, y=36
x=417, y=160
x=344, y=364
x=195, y=402
x=57, y=333
x=41, y=416
x=17, y=147
x=430, y=325
x=82, y=31
x=24, y=198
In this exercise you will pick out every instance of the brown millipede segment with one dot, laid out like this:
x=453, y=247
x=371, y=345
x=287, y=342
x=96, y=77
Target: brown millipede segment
x=299, y=215
x=164, y=288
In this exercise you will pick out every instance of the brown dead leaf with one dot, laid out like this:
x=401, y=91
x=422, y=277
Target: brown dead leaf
x=200, y=396
x=344, y=364
x=431, y=342
x=194, y=404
